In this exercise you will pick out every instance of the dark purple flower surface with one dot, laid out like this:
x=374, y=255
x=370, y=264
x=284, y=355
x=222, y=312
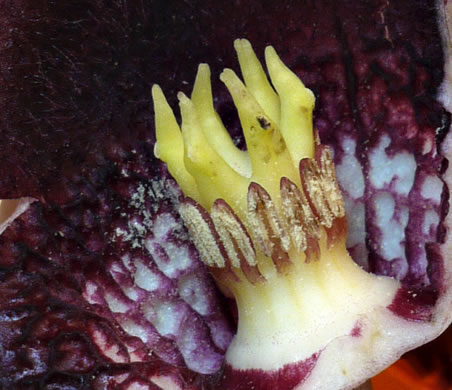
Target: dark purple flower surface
x=100, y=284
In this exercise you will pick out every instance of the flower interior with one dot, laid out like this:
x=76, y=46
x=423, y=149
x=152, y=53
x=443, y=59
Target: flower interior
x=269, y=222
x=101, y=285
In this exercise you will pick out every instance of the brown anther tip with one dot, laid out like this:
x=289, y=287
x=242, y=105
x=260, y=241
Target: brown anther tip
x=256, y=198
x=316, y=138
x=225, y=277
x=252, y=273
x=337, y=232
x=291, y=200
x=320, y=152
x=313, y=250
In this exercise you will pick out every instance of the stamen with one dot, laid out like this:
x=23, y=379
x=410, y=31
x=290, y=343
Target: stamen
x=329, y=182
x=301, y=222
x=236, y=240
x=313, y=188
x=232, y=231
x=202, y=230
x=267, y=227
x=323, y=192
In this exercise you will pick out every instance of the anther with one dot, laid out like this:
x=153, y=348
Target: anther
x=267, y=228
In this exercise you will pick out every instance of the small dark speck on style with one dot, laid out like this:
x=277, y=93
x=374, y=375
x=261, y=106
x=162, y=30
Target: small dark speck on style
x=264, y=122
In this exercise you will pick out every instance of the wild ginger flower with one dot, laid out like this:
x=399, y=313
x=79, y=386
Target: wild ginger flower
x=100, y=285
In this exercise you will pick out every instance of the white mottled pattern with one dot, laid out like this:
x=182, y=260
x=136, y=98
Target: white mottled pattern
x=431, y=219
x=127, y=262
x=427, y=146
x=178, y=257
x=165, y=316
x=110, y=350
x=198, y=357
x=385, y=169
x=90, y=292
x=393, y=230
x=130, y=292
x=350, y=174
x=193, y=291
x=115, y=304
x=145, y=278
x=138, y=386
x=163, y=225
x=134, y=329
x=350, y=171
x=432, y=187
x=356, y=218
